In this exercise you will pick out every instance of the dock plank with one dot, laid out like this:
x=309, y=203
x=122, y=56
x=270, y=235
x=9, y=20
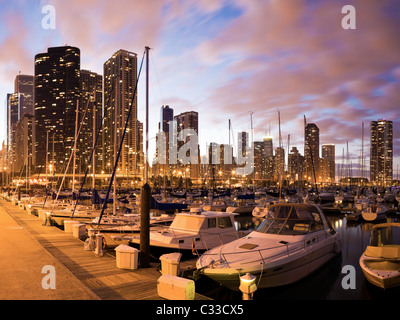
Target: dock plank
x=99, y=274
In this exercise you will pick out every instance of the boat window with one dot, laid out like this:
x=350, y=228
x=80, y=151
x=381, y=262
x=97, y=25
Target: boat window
x=185, y=222
x=212, y=222
x=224, y=222
x=291, y=220
x=385, y=236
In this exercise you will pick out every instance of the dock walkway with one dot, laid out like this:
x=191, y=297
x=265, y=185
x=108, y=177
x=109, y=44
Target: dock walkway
x=80, y=274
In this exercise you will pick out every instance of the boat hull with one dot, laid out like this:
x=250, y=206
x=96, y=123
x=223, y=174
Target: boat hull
x=373, y=216
x=284, y=272
x=380, y=278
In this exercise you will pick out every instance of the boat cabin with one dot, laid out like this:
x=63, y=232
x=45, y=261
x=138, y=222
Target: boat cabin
x=209, y=221
x=293, y=219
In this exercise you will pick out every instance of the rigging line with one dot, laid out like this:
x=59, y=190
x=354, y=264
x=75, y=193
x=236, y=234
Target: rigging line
x=70, y=157
x=121, y=144
x=95, y=143
x=154, y=66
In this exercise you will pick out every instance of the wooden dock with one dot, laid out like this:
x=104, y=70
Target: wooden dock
x=98, y=274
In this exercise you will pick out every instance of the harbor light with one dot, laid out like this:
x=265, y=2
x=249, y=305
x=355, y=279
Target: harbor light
x=248, y=286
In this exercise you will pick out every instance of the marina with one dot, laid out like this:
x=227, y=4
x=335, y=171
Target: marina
x=100, y=277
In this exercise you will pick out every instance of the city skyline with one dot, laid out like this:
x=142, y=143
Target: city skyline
x=227, y=60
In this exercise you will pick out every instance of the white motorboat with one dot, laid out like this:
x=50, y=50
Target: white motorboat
x=127, y=223
x=293, y=241
x=80, y=213
x=215, y=206
x=380, y=262
x=241, y=207
x=191, y=232
x=261, y=211
x=374, y=212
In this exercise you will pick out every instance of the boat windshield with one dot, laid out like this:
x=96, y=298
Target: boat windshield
x=291, y=220
x=388, y=235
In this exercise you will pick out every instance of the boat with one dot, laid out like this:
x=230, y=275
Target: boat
x=241, y=207
x=293, y=241
x=127, y=223
x=380, y=261
x=260, y=211
x=215, y=206
x=353, y=216
x=81, y=213
x=190, y=233
x=374, y=212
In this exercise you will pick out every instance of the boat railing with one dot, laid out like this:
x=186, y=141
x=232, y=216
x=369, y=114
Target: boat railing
x=290, y=248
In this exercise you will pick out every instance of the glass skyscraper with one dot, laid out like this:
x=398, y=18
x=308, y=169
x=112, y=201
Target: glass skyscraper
x=381, y=156
x=57, y=93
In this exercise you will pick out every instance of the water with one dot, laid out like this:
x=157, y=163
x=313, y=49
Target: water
x=325, y=283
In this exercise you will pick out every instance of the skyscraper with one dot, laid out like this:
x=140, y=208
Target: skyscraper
x=295, y=165
x=268, y=146
x=328, y=170
x=120, y=78
x=19, y=104
x=56, y=95
x=381, y=157
x=24, y=144
x=23, y=86
x=12, y=122
x=166, y=118
x=189, y=120
x=167, y=115
x=92, y=97
x=311, y=151
x=280, y=164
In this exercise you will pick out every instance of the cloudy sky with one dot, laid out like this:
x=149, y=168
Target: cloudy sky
x=228, y=58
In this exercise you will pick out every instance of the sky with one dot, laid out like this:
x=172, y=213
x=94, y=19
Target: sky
x=228, y=59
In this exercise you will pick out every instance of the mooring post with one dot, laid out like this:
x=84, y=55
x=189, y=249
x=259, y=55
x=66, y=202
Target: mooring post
x=145, y=203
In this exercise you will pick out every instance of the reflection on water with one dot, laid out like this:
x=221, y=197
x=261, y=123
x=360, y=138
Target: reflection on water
x=325, y=283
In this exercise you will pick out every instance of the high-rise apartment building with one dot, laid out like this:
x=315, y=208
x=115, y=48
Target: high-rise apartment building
x=327, y=167
x=57, y=93
x=12, y=122
x=92, y=102
x=189, y=120
x=167, y=116
x=295, y=165
x=120, y=94
x=24, y=155
x=23, y=86
x=279, y=164
x=311, y=151
x=268, y=146
x=259, y=160
x=381, y=157
x=19, y=104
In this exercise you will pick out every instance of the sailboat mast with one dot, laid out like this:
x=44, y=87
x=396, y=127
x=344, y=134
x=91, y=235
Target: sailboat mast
x=74, y=152
x=252, y=144
x=147, y=114
x=362, y=153
x=94, y=140
x=115, y=147
x=47, y=159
